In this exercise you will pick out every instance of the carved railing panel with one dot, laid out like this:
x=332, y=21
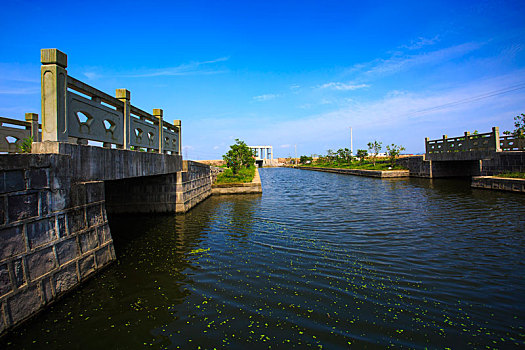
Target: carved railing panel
x=144, y=134
x=91, y=120
x=512, y=143
x=12, y=137
x=171, y=138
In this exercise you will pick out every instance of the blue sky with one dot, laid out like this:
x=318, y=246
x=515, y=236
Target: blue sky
x=282, y=73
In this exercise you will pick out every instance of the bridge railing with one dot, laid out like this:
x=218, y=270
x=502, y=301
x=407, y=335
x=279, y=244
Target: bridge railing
x=75, y=111
x=13, y=132
x=490, y=141
x=477, y=142
x=512, y=143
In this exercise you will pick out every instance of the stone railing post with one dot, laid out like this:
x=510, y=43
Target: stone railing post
x=54, y=95
x=426, y=145
x=178, y=124
x=33, y=119
x=157, y=113
x=124, y=96
x=466, y=144
x=444, y=146
x=495, y=139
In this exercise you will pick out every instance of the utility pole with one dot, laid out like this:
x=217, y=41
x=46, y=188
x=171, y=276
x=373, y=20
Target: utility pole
x=296, y=156
x=351, y=143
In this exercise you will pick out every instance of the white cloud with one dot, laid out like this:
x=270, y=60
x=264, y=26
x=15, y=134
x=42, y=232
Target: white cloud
x=192, y=68
x=343, y=86
x=265, y=97
x=285, y=146
x=420, y=42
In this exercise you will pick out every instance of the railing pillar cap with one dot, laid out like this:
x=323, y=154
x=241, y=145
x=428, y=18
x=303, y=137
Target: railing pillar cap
x=53, y=56
x=122, y=94
x=177, y=122
x=31, y=117
x=157, y=112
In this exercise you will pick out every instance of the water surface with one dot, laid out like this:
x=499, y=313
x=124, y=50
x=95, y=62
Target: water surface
x=319, y=260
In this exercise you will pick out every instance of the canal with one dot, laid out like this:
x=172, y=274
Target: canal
x=319, y=260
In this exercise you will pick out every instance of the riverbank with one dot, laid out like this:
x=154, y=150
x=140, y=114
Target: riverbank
x=252, y=187
x=362, y=172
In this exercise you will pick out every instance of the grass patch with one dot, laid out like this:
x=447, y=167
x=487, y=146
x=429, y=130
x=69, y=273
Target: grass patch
x=243, y=176
x=516, y=175
x=380, y=165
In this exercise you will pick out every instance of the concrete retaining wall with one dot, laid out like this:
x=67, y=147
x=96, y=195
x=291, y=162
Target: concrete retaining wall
x=361, y=172
x=499, y=183
x=253, y=187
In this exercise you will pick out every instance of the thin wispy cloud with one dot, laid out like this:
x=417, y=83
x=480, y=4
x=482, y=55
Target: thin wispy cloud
x=401, y=61
x=20, y=91
x=342, y=86
x=421, y=42
x=266, y=97
x=192, y=68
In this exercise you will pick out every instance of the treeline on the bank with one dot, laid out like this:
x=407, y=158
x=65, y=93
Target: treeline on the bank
x=364, y=159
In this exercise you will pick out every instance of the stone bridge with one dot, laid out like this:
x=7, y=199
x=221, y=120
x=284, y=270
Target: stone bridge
x=98, y=155
x=469, y=155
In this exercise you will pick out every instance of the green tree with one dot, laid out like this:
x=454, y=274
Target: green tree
x=393, y=152
x=305, y=159
x=344, y=156
x=374, y=148
x=239, y=155
x=362, y=154
x=519, y=125
x=25, y=145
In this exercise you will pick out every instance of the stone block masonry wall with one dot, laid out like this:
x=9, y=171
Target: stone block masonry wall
x=53, y=234
x=193, y=185
x=504, y=162
x=148, y=194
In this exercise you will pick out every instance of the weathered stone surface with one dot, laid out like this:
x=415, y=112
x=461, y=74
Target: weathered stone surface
x=38, y=178
x=24, y=304
x=3, y=323
x=13, y=242
x=44, y=203
x=103, y=233
x=2, y=211
x=18, y=271
x=76, y=220
x=62, y=229
x=14, y=181
x=94, y=191
x=59, y=199
x=47, y=290
x=94, y=215
x=41, y=232
x=67, y=250
x=5, y=281
x=41, y=262
x=88, y=241
x=65, y=279
x=2, y=182
x=78, y=195
x=22, y=206
x=103, y=255
x=87, y=265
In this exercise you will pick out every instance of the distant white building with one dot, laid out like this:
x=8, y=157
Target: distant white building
x=264, y=156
